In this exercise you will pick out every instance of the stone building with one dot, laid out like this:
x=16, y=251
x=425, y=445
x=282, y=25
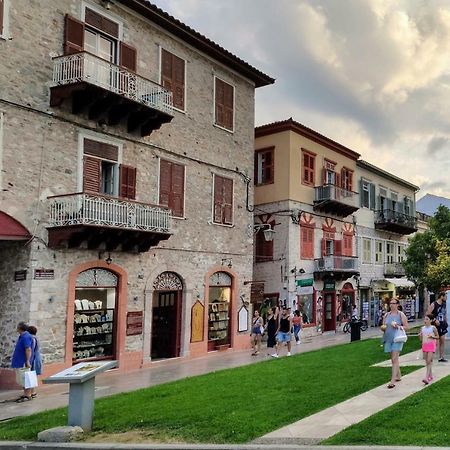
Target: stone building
x=126, y=141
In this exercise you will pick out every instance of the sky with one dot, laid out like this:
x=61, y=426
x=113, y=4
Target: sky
x=373, y=75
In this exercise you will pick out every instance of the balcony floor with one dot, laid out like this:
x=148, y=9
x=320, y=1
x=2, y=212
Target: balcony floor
x=104, y=238
x=395, y=227
x=108, y=107
x=337, y=274
x=334, y=207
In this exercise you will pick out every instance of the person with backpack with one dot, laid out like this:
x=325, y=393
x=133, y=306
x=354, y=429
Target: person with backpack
x=439, y=310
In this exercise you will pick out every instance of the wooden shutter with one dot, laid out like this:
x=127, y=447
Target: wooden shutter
x=1, y=16
x=100, y=149
x=178, y=82
x=372, y=196
x=337, y=248
x=307, y=242
x=228, y=201
x=91, y=174
x=218, y=187
x=166, y=69
x=177, y=190
x=228, y=106
x=73, y=35
x=220, y=102
x=324, y=176
x=324, y=247
x=128, y=182
x=164, y=183
x=101, y=22
x=128, y=57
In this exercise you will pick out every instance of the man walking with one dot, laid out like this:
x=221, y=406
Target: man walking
x=284, y=333
x=439, y=310
x=22, y=356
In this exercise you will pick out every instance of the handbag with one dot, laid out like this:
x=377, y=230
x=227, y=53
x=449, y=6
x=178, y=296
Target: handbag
x=400, y=335
x=20, y=375
x=30, y=379
x=261, y=329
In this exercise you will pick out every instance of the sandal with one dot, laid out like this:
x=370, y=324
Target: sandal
x=425, y=382
x=34, y=395
x=390, y=386
x=24, y=398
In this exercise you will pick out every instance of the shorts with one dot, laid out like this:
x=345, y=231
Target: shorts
x=283, y=337
x=429, y=347
x=442, y=331
x=393, y=347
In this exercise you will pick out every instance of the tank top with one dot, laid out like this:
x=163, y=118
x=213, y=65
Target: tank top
x=296, y=320
x=426, y=332
x=284, y=325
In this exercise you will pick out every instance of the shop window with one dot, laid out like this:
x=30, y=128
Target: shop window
x=309, y=164
x=264, y=166
x=224, y=104
x=95, y=315
x=306, y=307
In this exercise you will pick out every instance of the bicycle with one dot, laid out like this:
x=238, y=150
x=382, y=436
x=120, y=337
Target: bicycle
x=347, y=327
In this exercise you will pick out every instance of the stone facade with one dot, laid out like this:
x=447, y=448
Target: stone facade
x=42, y=157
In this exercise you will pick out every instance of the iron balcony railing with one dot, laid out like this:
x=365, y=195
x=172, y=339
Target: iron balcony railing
x=386, y=216
x=92, y=209
x=394, y=269
x=335, y=193
x=85, y=67
x=336, y=264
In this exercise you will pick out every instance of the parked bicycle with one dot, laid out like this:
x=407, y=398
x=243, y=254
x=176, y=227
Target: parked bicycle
x=364, y=325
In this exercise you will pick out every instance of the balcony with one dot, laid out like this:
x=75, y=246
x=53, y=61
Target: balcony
x=394, y=270
x=98, y=222
x=395, y=222
x=331, y=199
x=110, y=94
x=336, y=267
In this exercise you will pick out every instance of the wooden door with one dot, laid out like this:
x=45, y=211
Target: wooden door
x=329, y=311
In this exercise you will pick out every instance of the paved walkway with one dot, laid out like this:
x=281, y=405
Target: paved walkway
x=113, y=381
x=330, y=421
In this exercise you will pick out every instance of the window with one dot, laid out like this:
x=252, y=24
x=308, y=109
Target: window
x=330, y=246
x=347, y=179
x=400, y=253
x=102, y=173
x=347, y=244
x=308, y=173
x=390, y=252
x=367, y=251
x=223, y=200
x=367, y=194
x=378, y=252
x=384, y=204
x=394, y=201
x=263, y=248
x=408, y=206
x=329, y=175
x=173, y=77
x=306, y=242
x=171, y=187
x=264, y=166
x=224, y=104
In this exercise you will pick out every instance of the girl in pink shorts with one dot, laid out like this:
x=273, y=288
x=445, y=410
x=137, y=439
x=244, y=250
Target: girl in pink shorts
x=428, y=335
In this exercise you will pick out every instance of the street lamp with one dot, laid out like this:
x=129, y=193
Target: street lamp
x=266, y=229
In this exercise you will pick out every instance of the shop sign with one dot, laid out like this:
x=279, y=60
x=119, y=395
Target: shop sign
x=329, y=286
x=135, y=323
x=20, y=275
x=305, y=282
x=44, y=274
x=305, y=290
x=197, y=321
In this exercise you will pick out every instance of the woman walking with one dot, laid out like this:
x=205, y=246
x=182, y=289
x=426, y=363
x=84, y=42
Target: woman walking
x=393, y=321
x=257, y=331
x=271, y=329
x=36, y=362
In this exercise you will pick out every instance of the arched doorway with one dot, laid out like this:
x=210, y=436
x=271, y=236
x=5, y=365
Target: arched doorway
x=347, y=301
x=219, y=310
x=95, y=315
x=166, y=316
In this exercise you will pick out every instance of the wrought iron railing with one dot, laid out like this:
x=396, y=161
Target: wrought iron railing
x=394, y=269
x=92, y=209
x=85, y=67
x=332, y=192
x=336, y=264
x=385, y=216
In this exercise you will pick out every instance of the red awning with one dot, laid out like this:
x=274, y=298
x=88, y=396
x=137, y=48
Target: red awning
x=11, y=229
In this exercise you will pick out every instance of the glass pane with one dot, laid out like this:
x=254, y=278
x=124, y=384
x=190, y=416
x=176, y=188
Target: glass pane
x=105, y=50
x=90, y=41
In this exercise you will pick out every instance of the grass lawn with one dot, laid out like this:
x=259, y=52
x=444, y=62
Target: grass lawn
x=233, y=405
x=420, y=420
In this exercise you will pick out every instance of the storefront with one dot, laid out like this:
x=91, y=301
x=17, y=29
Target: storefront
x=347, y=300
x=329, y=306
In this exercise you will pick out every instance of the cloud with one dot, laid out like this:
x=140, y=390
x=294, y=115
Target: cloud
x=437, y=143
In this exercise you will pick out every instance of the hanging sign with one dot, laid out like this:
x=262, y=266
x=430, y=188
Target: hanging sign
x=305, y=282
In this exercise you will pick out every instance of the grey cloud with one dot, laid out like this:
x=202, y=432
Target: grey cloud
x=437, y=143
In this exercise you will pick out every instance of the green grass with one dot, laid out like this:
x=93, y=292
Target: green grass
x=234, y=405
x=420, y=420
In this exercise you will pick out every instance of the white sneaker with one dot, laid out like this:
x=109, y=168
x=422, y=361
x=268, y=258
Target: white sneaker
x=288, y=353
x=298, y=343
x=274, y=355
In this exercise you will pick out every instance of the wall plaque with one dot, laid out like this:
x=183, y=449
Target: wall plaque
x=135, y=322
x=197, y=321
x=20, y=275
x=44, y=274
x=243, y=319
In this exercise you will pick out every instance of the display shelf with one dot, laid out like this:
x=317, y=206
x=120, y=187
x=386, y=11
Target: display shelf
x=93, y=358
x=93, y=310
x=87, y=324
x=103, y=344
x=84, y=336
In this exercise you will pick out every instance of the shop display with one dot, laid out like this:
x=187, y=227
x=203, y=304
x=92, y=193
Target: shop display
x=218, y=321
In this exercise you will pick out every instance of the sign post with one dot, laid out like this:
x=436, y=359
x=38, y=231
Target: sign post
x=81, y=379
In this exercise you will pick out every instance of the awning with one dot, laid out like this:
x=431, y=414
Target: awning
x=11, y=229
x=400, y=282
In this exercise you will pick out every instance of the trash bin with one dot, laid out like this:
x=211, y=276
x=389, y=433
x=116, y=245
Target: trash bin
x=355, y=330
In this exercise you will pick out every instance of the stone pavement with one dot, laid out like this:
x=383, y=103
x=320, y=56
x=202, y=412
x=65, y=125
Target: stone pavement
x=330, y=421
x=113, y=381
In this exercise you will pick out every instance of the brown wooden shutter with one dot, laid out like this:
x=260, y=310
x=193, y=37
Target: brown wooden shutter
x=324, y=176
x=220, y=102
x=177, y=190
x=324, y=247
x=100, y=149
x=218, y=188
x=338, y=248
x=128, y=182
x=228, y=106
x=227, y=201
x=128, y=57
x=164, y=183
x=101, y=22
x=1, y=17
x=73, y=35
x=166, y=69
x=178, y=82
x=91, y=174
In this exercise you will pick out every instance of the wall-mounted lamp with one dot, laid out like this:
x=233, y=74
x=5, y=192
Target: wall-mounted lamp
x=108, y=260
x=266, y=229
x=107, y=4
x=296, y=271
x=225, y=261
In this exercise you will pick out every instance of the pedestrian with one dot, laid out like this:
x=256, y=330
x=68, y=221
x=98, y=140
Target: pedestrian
x=283, y=333
x=428, y=335
x=394, y=320
x=297, y=324
x=439, y=310
x=355, y=312
x=271, y=328
x=36, y=363
x=22, y=357
x=257, y=332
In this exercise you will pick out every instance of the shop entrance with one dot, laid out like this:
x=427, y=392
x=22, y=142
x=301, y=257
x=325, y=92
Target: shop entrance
x=329, y=311
x=347, y=302
x=166, y=317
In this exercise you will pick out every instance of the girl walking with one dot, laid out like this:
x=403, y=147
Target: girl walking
x=257, y=331
x=428, y=335
x=297, y=323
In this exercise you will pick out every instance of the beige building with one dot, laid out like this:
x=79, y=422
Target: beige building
x=305, y=189
x=126, y=139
